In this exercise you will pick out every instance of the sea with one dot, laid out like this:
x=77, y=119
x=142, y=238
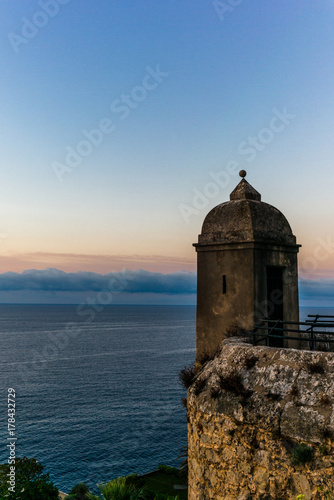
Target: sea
x=97, y=392
x=97, y=395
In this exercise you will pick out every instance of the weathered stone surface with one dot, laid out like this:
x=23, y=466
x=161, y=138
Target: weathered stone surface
x=241, y=439
x=244, y=217
x=241, y=240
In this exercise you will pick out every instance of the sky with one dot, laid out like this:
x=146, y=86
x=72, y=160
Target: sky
x=124, y=122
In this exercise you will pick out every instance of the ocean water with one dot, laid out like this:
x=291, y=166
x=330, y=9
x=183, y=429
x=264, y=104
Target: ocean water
x=96, y=397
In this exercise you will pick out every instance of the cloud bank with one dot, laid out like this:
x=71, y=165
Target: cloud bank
x=139, y=281
x=320, y=289
x=53, y=285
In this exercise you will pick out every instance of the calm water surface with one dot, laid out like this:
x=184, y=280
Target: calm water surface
x=102, y=402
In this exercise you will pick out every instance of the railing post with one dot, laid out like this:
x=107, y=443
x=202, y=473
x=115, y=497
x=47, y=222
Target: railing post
x=312, y=339
x=312, y=332
x=273, y=328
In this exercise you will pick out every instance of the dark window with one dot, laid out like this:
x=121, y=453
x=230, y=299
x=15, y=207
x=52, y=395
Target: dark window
x=224, y=283
x=275, y=301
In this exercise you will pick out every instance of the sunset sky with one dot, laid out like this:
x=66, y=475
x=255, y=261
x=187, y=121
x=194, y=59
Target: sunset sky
x=120, y=121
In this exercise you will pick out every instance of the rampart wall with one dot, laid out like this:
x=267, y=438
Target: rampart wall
x=261, y=424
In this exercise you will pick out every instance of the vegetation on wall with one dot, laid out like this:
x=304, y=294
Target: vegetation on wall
x=316, y=367
x=302, y=454
x=187, y=376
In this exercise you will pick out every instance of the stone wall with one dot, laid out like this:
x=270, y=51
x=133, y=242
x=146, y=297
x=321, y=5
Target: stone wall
x=249, y=411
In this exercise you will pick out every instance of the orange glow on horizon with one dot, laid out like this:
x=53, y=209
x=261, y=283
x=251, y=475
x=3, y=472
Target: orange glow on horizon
x=309, y=266
x=102, y=264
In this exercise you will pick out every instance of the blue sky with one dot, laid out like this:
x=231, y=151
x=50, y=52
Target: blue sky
x=221, y=76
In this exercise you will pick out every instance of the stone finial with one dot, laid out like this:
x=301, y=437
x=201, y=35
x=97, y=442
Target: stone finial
x=244, y=191
x=242, y=173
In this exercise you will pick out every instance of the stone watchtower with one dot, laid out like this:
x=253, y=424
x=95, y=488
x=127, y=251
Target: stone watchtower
x=246, y=268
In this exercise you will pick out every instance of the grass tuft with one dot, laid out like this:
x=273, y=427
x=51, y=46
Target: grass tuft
x=302, y=454
x=325, y=399
x=294, y=391
x=316, y=367
x=233, y=383
x=250, y=361
x=187, y=375
x=214, y=392
x=273, y=396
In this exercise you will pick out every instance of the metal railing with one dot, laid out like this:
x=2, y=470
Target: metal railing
x=316, y=333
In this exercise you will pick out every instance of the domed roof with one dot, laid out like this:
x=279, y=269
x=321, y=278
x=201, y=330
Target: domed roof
x=246, y=218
